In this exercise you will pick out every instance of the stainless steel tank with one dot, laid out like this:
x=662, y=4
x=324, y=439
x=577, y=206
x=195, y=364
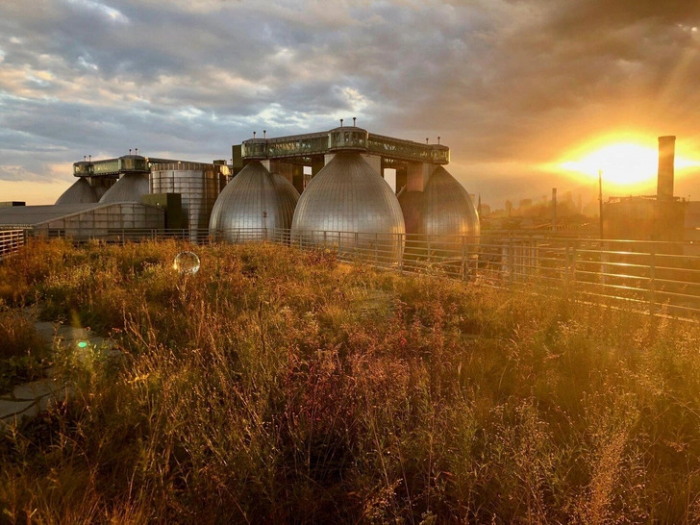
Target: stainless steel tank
x=79, y=192
x=198, y=184
x=448, y=211
x=129, y=188
x=253, y=205
x=349, y=205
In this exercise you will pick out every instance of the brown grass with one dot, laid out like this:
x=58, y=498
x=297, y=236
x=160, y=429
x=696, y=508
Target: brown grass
x=281, y=387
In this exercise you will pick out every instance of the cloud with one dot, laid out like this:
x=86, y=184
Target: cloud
x=508, y=85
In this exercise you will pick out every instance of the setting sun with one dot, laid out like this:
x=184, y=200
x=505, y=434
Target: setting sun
x=622, y=164
x=628, y=165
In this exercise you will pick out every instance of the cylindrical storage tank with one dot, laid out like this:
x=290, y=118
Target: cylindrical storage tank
x=412, y=207
x=80, y=192
x=198, y=185
x=253, y=206
x=348, y=205
x=450, y=219
x=130, y=188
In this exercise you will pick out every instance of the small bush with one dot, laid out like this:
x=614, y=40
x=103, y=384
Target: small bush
x=23, y=354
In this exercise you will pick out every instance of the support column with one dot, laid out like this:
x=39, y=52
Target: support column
x=374, y=161
x=417, y=174
x=317, y=164
x=298, y=177
x=283, y=168
x=401, y=178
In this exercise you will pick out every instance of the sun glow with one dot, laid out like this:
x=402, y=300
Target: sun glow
x=622, y=163
x=628, y=165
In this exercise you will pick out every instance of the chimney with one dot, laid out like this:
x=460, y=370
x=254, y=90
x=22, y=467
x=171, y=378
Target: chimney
x=667, y=153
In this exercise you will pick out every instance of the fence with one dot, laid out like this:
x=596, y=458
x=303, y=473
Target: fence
x=10, y=242
x=652, y=275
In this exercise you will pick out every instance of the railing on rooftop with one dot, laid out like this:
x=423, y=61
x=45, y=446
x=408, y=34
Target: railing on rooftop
x=653, y=276
x=10, y=242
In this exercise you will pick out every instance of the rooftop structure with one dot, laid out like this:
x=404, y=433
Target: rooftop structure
x=82, y=220
x=115, y=167
x=302, y=148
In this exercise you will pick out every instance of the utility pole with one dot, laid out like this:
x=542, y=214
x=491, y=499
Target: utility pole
x=600, y=200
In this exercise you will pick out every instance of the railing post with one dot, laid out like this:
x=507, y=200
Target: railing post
x=375, y=249
x=652, y=281
x=511, y=261
x=464, y=258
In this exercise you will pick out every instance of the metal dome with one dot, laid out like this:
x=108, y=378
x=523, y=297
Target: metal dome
x=80, y=192
x=130, y=188
x=349, y=205
x=252, y=205
x=412, y=207
x=447, y=208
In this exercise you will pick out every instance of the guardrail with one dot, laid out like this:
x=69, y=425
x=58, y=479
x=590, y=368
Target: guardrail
x=10, y=242
x=654, y=275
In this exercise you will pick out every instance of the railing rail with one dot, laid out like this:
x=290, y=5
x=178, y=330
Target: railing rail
x=11, y=241
x=654, y=275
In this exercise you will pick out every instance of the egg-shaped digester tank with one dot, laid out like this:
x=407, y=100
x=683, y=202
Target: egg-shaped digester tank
x=79, y=192
x=254, y=206
x=449, y=217
x=348, y=205
x=198, y=184
x=130, y=188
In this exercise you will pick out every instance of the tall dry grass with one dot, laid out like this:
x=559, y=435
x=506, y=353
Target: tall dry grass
x=282, y=387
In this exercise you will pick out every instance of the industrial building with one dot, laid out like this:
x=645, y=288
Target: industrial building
x=660, y=217
x=130, y=193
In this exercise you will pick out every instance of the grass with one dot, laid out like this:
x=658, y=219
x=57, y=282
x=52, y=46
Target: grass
x=282, y=387
x=24, y=356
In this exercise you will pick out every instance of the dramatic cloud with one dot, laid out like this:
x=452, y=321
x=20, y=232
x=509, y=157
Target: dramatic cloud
x=509, y=86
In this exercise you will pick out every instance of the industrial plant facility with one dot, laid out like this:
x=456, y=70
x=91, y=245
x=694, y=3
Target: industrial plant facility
x=322, y=188
x=660, y=217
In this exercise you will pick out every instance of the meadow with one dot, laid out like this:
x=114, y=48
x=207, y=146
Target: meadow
x=280, y=386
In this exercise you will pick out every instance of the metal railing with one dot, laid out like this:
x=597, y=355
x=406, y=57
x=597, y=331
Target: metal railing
x=655, y=276
x=11, y=241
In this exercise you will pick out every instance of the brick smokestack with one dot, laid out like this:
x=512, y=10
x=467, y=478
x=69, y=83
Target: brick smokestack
x=667, y=154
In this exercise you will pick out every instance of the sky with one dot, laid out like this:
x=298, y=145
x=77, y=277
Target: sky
x=521, y=91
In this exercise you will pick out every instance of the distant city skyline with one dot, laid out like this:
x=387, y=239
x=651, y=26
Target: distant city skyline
x=524, y=93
